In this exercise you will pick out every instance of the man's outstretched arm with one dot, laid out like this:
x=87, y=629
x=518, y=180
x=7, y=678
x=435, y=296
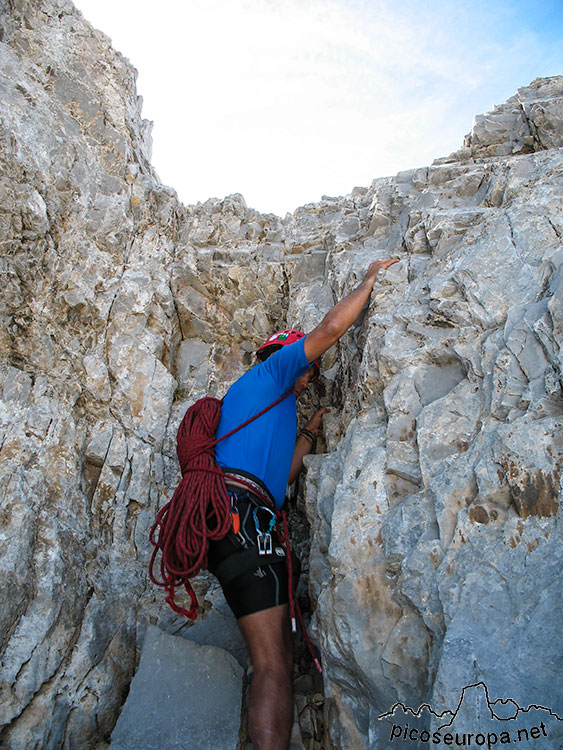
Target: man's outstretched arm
x=338, y=320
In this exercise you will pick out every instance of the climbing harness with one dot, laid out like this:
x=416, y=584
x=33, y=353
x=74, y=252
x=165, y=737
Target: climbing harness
x=240, y=563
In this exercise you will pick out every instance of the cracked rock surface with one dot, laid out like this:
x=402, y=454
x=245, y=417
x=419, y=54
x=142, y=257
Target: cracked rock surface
x=435, y=549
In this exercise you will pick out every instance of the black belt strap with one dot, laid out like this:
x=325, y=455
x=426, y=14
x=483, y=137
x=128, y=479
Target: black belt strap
x=241, y=562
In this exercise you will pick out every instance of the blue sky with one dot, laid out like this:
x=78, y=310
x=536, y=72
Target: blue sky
x=287, y=100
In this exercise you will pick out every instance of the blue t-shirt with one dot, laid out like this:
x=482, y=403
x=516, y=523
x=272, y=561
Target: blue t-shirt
x=264, y=447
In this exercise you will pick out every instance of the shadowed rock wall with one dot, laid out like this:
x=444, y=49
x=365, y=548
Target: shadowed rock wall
x=435, y=551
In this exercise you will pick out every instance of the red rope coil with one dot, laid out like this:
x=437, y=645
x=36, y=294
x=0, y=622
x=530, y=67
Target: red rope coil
x=199, y=511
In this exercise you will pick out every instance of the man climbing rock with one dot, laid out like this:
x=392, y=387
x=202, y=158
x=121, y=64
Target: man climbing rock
x=258, y=462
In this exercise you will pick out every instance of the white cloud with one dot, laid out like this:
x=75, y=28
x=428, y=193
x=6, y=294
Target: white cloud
x=284, y=100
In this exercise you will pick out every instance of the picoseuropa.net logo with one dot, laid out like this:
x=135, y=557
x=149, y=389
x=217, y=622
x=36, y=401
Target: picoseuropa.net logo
x=476, y=722
x=462, y=739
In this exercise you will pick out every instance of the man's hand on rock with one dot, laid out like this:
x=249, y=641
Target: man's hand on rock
x=343, y=315
x=379, y=265
x=314, y=424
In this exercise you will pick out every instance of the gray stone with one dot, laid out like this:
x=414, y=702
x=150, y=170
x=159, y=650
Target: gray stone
x=183, y=696
x=434, y=509
x=218, y=628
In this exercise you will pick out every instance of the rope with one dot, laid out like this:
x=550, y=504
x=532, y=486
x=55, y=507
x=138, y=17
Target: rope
x=199, y=511
x=200, y=508
x=283, y=535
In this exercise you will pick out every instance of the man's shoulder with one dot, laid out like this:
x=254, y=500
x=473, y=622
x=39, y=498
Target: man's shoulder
x=249, y=380
x=280, y=370
x=292, y=355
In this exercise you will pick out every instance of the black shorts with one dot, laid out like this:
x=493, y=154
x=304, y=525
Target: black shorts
x=251, y=582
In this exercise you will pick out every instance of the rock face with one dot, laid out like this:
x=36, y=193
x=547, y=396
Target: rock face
x=435, y=536
x=183, y=696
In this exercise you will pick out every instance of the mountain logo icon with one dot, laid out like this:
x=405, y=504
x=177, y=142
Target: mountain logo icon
x=476, y=721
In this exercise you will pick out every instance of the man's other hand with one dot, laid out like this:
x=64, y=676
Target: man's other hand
x=314, y=424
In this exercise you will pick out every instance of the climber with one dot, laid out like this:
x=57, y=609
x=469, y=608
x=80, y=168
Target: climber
x=258, y=461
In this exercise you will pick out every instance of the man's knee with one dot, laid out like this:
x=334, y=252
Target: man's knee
x=274, y=655
x=276, y=672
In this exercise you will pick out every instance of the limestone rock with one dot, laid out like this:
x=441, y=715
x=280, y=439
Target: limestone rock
x=530, y=121
x=219, y=628
x=183, y=696
x=434, y=511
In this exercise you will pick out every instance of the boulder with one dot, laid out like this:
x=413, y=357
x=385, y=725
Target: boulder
x=183, y=696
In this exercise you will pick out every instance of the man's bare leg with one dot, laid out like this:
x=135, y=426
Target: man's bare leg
x=270, y=714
